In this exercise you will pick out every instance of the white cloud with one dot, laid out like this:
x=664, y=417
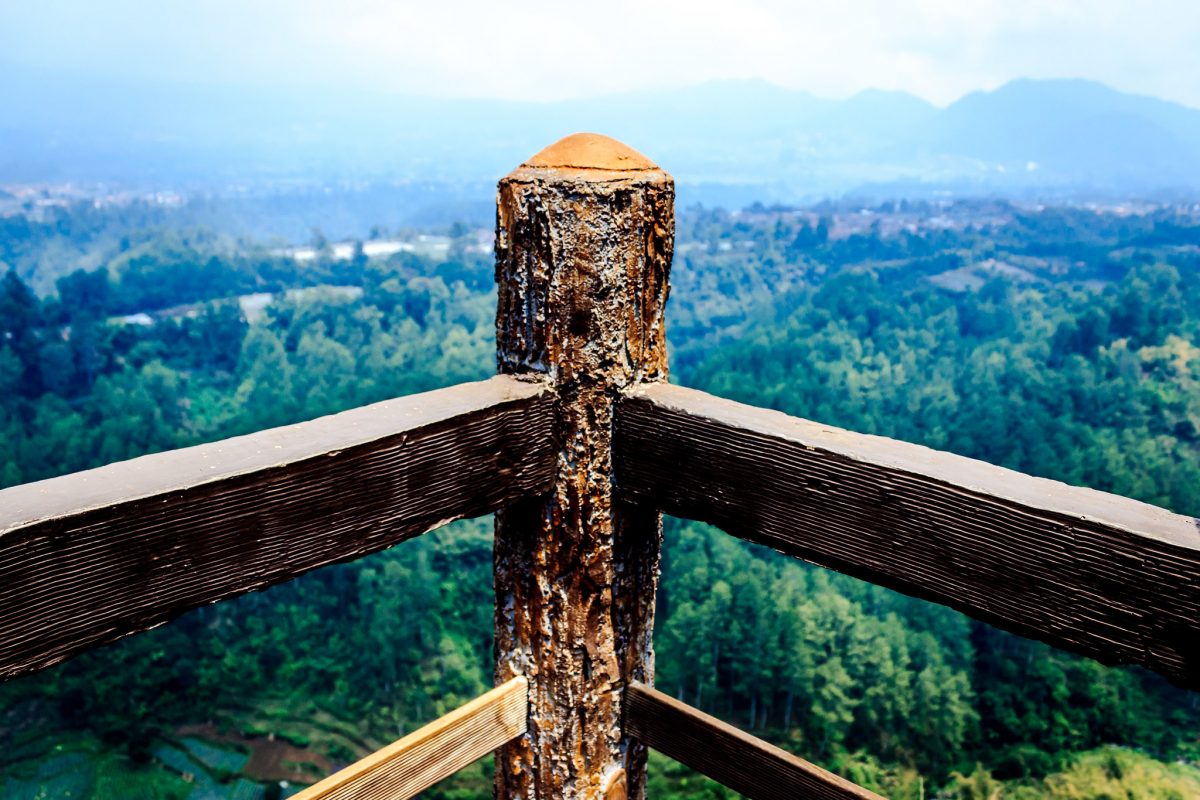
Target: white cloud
x=938, y=49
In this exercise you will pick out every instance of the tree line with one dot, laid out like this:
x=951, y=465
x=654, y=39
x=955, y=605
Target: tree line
x=1083, y=365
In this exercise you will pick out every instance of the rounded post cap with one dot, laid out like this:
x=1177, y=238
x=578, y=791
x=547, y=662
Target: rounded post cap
x=589, y=156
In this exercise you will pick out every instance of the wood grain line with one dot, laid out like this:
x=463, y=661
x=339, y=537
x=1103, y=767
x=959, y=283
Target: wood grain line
x=1098, y=574
x=88, y=558
x=734, y=758
x=434, y=752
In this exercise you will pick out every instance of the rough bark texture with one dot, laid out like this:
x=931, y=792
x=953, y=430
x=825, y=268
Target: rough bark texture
x=584, y=234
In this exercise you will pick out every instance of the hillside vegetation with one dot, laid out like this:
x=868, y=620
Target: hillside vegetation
x=1060, y=342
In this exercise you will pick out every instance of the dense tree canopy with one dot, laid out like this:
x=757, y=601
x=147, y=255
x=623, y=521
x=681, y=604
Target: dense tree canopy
x=1063, y=343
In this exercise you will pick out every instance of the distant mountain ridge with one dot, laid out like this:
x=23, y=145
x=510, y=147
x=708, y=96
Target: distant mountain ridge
x=727, y=139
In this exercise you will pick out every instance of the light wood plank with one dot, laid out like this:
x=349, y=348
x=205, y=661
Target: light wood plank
x=1102, y=575
x=434, y=752
x=90, y=557
x=734, y=758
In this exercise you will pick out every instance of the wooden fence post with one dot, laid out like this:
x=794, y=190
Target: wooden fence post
x=584, y=235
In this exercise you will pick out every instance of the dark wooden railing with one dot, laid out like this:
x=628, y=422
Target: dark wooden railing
x=90, y=557
x=1101, y=575
x=578, y=447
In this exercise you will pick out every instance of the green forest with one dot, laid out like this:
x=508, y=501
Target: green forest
x=1063, y=342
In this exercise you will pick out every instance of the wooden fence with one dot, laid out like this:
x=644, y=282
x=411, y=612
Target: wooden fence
x=579, y=446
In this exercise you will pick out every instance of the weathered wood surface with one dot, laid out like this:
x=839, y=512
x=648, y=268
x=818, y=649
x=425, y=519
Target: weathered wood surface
x=1105, y=576
x=584, y=233
x=90, y=557
x=432, y=753
x=734, y=758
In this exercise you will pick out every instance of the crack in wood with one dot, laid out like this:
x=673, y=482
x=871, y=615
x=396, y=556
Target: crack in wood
x=582, y=261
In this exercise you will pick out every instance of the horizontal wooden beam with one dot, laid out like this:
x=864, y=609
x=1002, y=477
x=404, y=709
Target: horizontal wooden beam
x=734, y=758
x=433, y=753
x=90, y=557
x=1101, y=575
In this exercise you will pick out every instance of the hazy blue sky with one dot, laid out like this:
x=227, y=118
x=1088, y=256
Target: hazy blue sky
x=938, y=49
